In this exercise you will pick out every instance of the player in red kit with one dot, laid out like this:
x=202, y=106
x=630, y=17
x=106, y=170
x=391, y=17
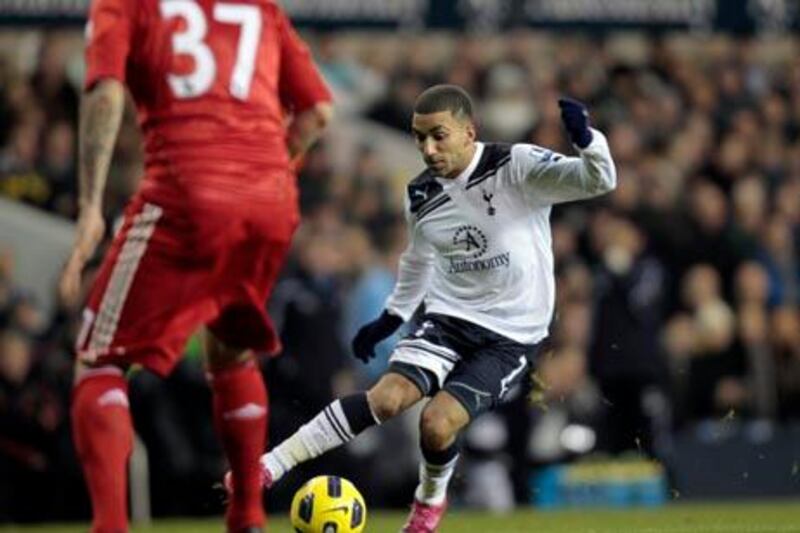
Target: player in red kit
x=227, y=96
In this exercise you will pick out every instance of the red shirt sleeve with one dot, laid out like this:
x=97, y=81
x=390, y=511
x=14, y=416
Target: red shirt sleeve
x=301, y=85
x=108, y=33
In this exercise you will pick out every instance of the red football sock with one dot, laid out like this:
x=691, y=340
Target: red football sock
x=103, y=435
x=240, y=417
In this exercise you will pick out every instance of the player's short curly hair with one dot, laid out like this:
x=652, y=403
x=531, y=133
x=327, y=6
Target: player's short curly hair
x=445, y=98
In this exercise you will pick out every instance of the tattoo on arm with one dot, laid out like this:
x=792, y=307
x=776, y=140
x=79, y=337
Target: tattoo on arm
x=101, y=115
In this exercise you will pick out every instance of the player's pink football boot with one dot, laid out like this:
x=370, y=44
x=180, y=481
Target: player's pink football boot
x=424, y=518
x=265, y=476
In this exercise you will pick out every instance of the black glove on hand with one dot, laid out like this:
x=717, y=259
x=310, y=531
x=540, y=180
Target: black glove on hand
x=372, y=333
x=576, y=121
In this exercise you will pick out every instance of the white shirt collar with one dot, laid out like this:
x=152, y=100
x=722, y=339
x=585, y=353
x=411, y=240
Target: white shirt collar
x=467, y=172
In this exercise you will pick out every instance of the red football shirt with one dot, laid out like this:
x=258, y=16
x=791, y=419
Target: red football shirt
x=212, y=80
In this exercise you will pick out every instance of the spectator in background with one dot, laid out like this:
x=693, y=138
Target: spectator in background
x=57, y=165
x=33, y=416
x=625, y=356
x=711, y=240
x=749, y=206
x=316, y=175
x=396, y=108
x=784, y=334
x=779, y=257
x=787, y=201
x=25, y=315
x=57, y=97
x=369, y=202
x=565, y=395
x=706, y=369
x=752, y=340
x=6, y=289
x=19, y=178
x=310, y=298
x=17, y=307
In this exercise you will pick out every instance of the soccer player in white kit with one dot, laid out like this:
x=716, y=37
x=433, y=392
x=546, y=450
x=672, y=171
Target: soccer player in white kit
x=480, y=260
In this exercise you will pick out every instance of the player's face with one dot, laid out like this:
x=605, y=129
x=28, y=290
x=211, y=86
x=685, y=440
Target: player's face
x=446, y=143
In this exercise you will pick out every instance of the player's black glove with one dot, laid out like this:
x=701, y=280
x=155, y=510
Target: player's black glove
x=372, y=333
x=576, y=121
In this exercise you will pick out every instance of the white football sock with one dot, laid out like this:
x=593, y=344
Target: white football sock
x=433, y=481
x=329, y=429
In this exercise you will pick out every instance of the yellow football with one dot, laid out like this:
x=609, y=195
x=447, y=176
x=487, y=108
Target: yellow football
x=328, y=504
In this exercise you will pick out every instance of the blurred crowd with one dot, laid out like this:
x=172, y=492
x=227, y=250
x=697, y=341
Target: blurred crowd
x=678, y=295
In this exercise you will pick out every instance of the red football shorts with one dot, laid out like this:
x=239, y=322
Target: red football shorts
x=173, y=268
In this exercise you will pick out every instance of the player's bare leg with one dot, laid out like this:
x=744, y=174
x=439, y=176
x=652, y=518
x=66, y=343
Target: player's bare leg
x=103, y=433
x=240, y=418
x=340, y=422
x=440, y=423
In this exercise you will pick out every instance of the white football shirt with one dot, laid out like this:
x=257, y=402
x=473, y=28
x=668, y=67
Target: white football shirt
x=480, y=245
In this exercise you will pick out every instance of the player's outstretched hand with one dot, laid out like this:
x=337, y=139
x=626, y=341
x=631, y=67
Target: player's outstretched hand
x=576, y=121
x=372, y=333
x=88, y=234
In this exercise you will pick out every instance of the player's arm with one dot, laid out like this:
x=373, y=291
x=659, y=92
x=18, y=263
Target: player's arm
x=302, y=90
x=307, y=127
x=101, y=114
x=108, y=32
x=555, y=178
x=100, y=117
x=415, y=269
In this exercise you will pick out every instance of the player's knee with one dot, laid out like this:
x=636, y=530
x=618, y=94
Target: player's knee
x=386, y=409
x=437, y=428
x=391, y=396
x=385, y=404
x=83, y=370
x=220, y=356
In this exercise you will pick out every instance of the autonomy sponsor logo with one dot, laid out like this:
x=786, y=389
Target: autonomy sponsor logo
x=474, y=242
x=497, y=261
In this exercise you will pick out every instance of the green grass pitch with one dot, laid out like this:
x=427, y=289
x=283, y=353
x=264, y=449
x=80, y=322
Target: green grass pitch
x=738, y=517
